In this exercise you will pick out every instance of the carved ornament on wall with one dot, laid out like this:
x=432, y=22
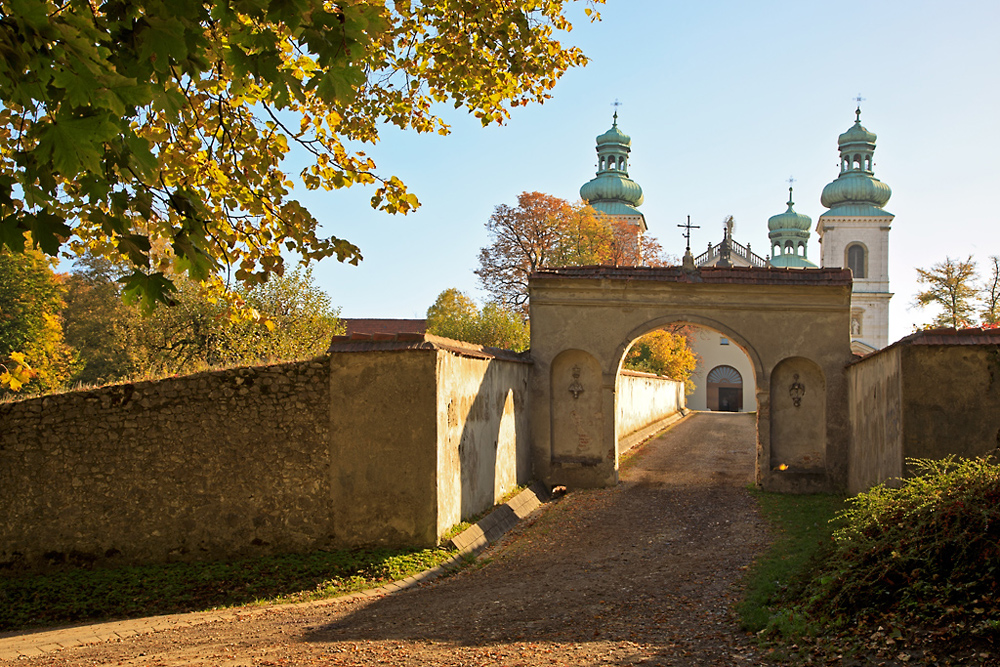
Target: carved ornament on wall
x=575, y=387
x=797, y=391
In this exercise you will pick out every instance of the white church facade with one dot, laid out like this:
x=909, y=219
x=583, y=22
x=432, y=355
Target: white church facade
x=853, y=233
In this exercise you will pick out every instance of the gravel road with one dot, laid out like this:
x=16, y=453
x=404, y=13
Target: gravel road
x=644, y=573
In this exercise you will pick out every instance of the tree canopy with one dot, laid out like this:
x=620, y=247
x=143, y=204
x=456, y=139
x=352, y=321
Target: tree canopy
x=665, y=352
x=951, y=286
x=455, y=315
x=131, y=123
x=116, y=341
x=32, y=351
x=543, y=230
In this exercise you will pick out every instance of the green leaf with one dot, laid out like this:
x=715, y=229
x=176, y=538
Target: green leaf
x=12, y=232
x=48, y=231
x=136, y=246
x=147, y=290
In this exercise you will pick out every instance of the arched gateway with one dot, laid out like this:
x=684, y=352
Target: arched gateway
x=794, y=325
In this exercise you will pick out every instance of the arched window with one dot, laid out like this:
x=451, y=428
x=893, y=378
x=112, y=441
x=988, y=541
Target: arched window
x=725, y=389
x=857, y=162
x=868, y=163
x=802, y=250
x=789, y=250
x=602, y=164
x=621, y=163
x=857, y=260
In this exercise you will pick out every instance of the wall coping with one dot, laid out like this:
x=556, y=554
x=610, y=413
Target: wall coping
x=745, y=275
x=946, y=337
x=402, y=342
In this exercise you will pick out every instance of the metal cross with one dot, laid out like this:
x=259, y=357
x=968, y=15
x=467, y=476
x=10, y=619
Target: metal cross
x=791, y=179
x=687, y=234
x=616, y=104
x=857, y=111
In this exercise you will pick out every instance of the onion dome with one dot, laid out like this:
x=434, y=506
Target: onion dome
x=614, y=135
x=856, y=192
x=789, y=234
x=612, y=191
x=789, y=220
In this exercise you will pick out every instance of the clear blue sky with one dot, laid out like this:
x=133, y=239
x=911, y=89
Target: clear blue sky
x=723, y=101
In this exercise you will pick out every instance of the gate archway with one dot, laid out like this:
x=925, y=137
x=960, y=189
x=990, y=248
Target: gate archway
x=792, y=323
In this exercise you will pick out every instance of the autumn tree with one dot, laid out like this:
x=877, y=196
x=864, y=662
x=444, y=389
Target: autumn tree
x=33, y=353
x=951, y=286
x=665, y=352
x=542, y=231
x=128, y=121
x=455, y=315
x=990, y=313
x=116, y=341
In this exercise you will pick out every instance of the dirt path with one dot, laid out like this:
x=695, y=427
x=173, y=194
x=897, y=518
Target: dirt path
x=644, y=573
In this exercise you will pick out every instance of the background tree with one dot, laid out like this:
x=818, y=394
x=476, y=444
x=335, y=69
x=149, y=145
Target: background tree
x=950, y=286
x=665, y=352
x=125, y=123
x=991, y=294
x=96, y=320
x=32, y=350
x=116, y=341
x=455, y=315
x=542, y=231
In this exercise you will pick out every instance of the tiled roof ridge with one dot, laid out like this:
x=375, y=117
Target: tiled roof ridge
x=944, y=336
x=706, y=274
x=384, y=342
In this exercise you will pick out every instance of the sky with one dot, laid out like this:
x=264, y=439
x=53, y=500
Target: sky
x=724, y=101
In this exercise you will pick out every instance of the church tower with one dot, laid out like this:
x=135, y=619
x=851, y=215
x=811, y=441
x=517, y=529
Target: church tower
x=854, y=233
x=612, y=192
x=789, y=234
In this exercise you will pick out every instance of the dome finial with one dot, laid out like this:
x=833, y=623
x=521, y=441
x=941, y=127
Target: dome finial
x=615, y=104
x=791, y=179
x=857, y=112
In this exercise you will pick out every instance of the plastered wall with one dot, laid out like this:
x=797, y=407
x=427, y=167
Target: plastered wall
x=642, y=401
x=915, y=400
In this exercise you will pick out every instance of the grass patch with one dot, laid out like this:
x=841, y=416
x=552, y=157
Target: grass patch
x=803, y=528
x=85, y=595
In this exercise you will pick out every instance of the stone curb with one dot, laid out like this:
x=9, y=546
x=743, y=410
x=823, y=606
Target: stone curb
x=492, y=526
x=629, y=442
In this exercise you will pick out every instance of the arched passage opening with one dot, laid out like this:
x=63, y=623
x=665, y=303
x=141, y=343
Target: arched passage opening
x=717, y=375
x=584, y=320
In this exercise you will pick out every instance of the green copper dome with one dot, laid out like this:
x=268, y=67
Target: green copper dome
x=614, y=187
x=790, y=261
x=612, y=191
x=789, y=220
x=789, y=235
x=614, y=136
x=856, y=192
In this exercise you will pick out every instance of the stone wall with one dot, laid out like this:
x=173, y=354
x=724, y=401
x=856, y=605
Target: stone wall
x=209, y=465
x=644, y=401
x=930, y=395
x=388, y=441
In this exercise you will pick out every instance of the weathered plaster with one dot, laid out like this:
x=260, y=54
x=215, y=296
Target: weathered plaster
x=599, y=316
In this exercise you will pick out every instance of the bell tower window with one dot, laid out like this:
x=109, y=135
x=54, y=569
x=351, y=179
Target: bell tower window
x=857, y=260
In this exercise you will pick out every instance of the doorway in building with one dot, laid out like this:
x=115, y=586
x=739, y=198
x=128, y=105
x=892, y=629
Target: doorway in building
x=724, y=389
